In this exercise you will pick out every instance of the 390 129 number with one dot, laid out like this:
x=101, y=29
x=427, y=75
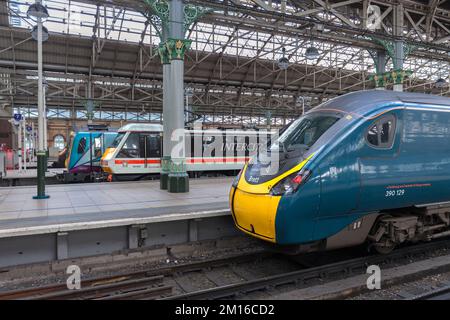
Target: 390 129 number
x=395, y=193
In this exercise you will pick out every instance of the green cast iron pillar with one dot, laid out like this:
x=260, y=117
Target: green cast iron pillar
x=176, y=45
x=396, y=51
x=158, y=15
x=166, y=159
x=171, y=20
x=41, y=154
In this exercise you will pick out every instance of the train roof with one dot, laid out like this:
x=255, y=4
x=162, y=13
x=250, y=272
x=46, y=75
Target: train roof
x=364, y=101
x=142, y=127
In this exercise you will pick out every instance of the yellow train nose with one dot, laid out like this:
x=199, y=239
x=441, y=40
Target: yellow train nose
x=254, y=213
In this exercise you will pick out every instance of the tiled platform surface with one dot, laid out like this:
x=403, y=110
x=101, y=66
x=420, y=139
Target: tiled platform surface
x=30, y=173
x=84, y=206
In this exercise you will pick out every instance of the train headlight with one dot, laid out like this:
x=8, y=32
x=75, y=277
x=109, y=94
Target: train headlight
x=237, y=178
x=291, y=183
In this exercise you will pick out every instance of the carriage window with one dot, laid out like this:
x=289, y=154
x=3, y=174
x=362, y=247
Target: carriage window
x=82, y=145
x=154, y=146
x=130, y=148
x=381, y=133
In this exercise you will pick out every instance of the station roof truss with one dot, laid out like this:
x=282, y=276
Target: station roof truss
x=105, y=50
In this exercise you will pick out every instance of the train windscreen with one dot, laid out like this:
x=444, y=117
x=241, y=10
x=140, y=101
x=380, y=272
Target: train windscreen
x=304, y=132
x=292, y=144
x=117, y=140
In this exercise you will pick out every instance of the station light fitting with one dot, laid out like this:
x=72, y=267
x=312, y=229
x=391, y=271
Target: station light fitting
x=283, y=62
x=440, y=83
x=37, y=10
x=34, y=33
x=312, y=53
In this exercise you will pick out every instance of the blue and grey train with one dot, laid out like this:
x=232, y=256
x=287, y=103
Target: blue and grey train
x=84, y=153
x=370, y=166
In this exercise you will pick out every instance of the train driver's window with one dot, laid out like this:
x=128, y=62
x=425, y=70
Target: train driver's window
x=130, y=148
x=372, y=135
x=81, y=146
x=381, y=133
x=98, y=147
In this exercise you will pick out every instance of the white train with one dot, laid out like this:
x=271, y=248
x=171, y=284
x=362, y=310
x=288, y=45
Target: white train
x=137, y=151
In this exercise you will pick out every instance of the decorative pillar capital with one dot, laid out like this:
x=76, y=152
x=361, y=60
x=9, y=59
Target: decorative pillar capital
x=380, y=81
x=163, y=53
x=397, y=76
x=176, y=48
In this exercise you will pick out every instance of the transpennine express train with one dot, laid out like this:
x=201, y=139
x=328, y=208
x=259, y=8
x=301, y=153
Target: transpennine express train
x=137, y=151
x=371, y=166
x=84, y=152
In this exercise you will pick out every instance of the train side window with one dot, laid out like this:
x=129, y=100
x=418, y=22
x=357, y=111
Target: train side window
x=372, y=135
x=154, y=146
x=381, y=133
x=81, y=145
x=386, y=129
x=98, y=147
x=130, y=148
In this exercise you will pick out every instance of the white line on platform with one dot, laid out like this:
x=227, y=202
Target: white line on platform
x=53, y=228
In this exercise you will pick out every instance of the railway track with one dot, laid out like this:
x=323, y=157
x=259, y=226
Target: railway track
x=135, y=285
x=301, y=277
x=223, y=278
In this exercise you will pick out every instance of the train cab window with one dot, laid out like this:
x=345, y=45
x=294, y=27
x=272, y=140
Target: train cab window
x=372, y=135
x=98, y=147
x=153, y=146
x=130, y=148
x=381, y=133
x=117, y=140
x=81, y=146
x=386, y=128
x=305, y=131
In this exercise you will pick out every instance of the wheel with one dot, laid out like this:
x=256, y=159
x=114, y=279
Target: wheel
x=384, y=249
x=384, y=245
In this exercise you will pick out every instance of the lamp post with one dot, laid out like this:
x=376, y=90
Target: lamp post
x=39, y=12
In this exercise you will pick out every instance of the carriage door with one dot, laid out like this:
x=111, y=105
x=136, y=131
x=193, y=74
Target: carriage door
x=340, y=184
x=153, y=146
x=97, y=149
x=143, y=148
x=380, y=164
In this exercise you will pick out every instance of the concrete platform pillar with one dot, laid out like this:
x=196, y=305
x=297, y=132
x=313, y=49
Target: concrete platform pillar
x=62, y=245
x=193, y=230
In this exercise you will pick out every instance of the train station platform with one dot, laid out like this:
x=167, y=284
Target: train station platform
x=97, y=218
x=16, y=177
